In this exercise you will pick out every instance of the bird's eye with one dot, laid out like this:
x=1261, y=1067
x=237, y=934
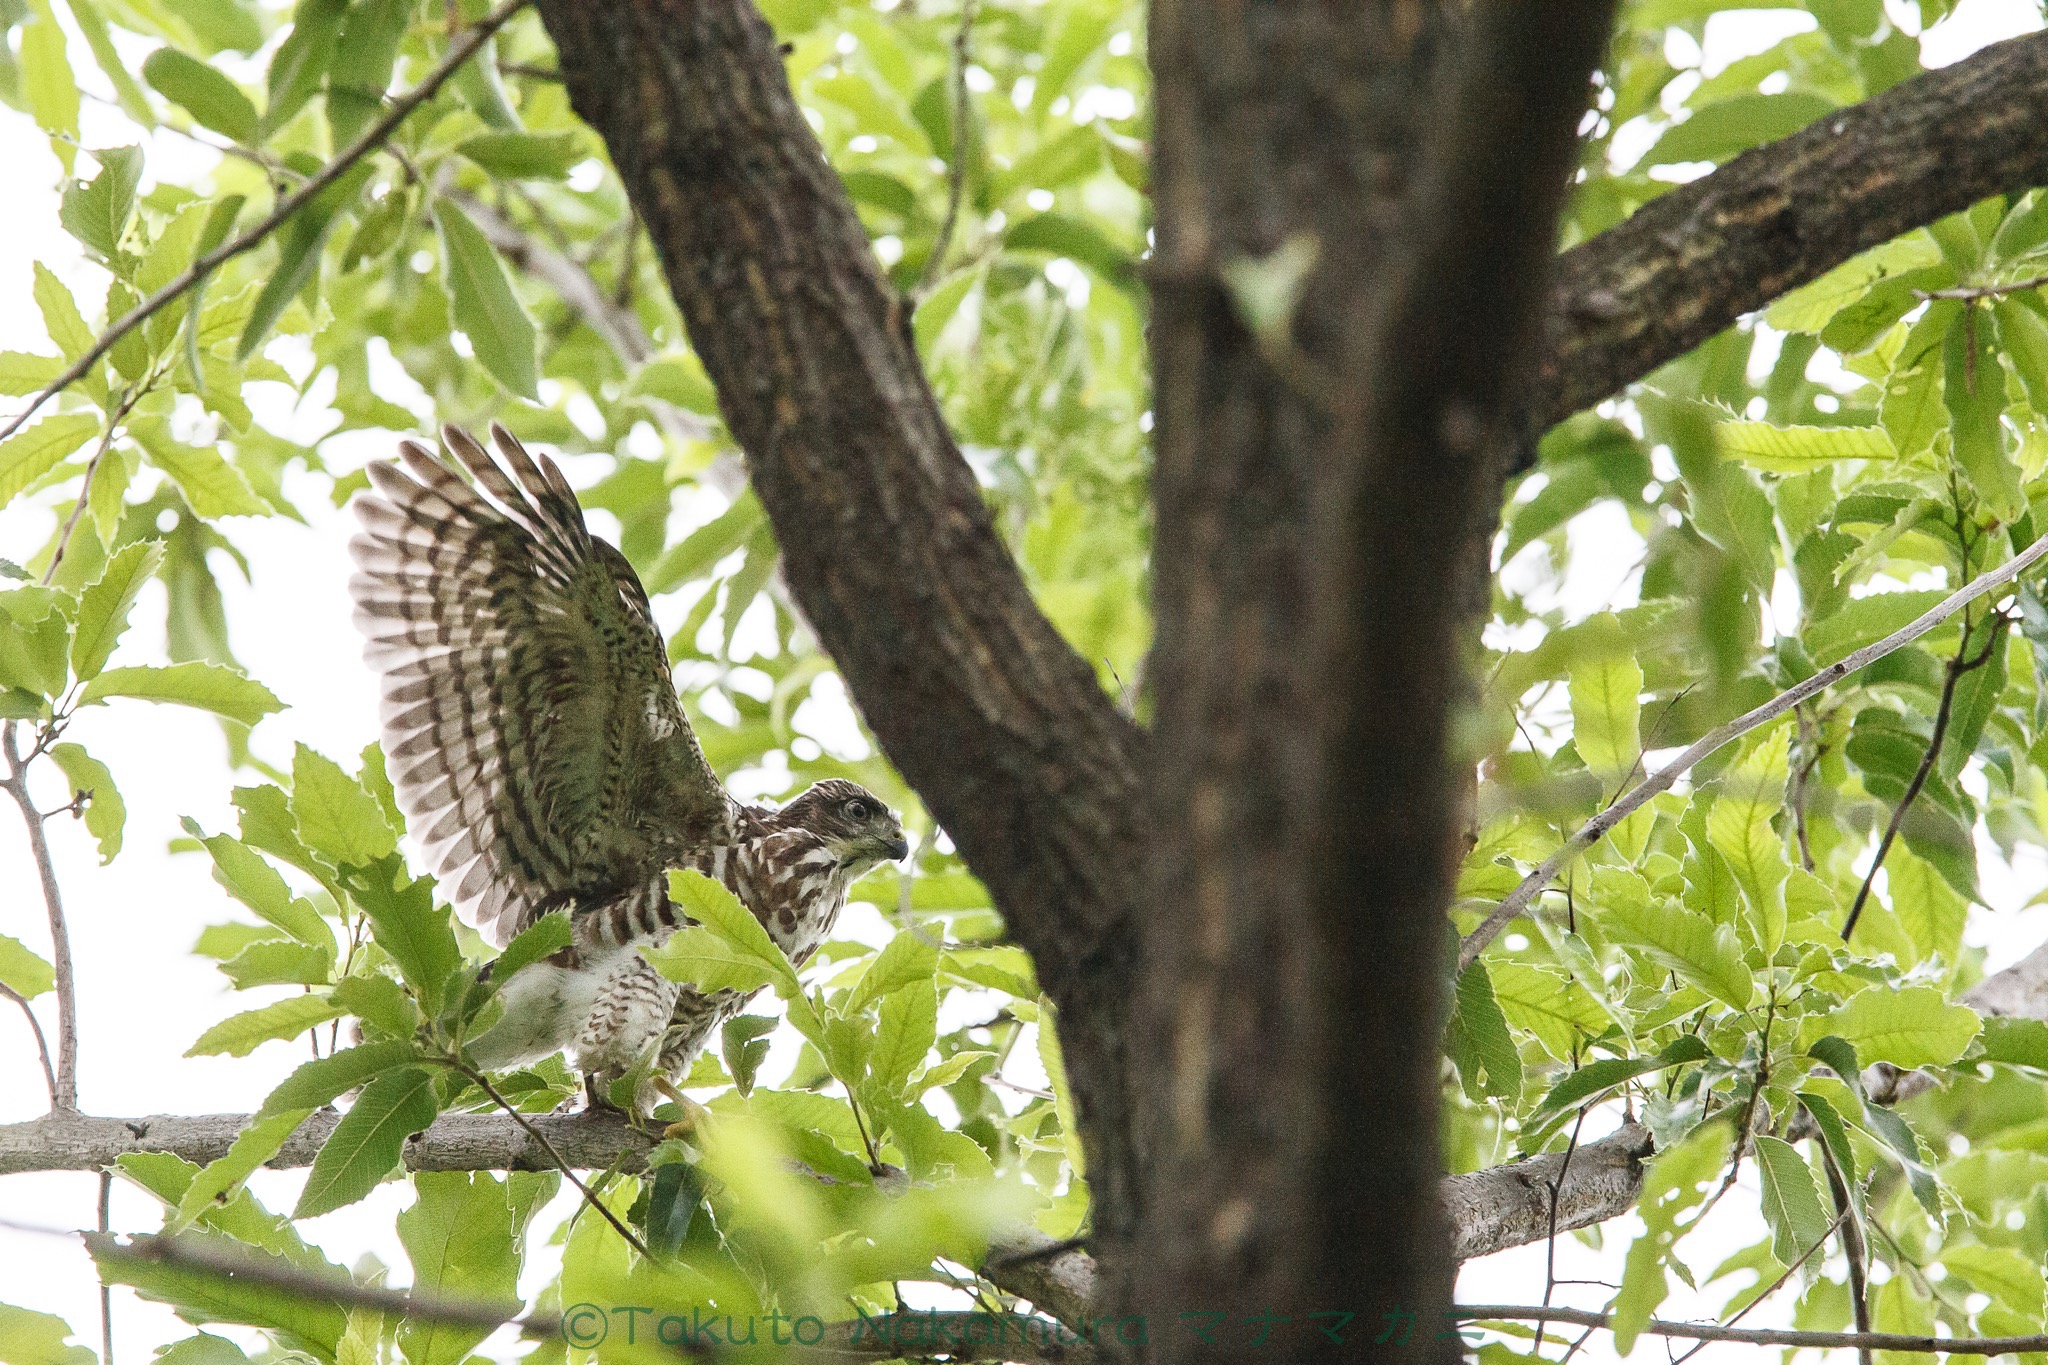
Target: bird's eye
x=858, y=809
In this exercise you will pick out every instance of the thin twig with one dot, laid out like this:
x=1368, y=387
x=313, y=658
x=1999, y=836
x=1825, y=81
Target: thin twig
x=64, y=1095
x=568, y=1172
x=956, y=173
x=106, y=1290
x=1983, y=291
x=1518, y=900
x=1773, y=1287
x=1762, y=1336
x=35, y=1025
x=1855, y=1249
x=1550, y=1241
x=461, y=51
x=1957, y=667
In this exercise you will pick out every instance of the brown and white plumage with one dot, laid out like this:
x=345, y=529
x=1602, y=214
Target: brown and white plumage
x=540, y=752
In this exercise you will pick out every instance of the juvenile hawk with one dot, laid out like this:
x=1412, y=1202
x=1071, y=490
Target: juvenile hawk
x=543, y=761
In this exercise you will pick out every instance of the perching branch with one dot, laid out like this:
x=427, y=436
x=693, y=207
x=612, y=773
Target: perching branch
x=1766, y=1336
x=1691, y=262
x=64, y=1094
x=1519, y=899
x=372, y=138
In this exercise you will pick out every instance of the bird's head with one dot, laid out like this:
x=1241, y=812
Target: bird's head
x=854, y=823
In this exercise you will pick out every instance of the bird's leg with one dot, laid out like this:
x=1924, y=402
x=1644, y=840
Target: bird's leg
x=694, y=1113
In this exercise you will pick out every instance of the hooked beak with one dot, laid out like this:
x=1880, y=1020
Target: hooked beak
x=898, y=849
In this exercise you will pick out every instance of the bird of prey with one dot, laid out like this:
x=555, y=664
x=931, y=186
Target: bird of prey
x=542, y=758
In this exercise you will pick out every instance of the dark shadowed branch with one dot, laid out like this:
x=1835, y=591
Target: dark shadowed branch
x=1691, y=262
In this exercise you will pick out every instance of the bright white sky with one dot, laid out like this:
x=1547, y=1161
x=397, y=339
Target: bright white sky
x=143, y=996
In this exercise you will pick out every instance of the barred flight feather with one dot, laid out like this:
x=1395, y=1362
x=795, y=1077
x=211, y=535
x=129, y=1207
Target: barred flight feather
x=534, y=735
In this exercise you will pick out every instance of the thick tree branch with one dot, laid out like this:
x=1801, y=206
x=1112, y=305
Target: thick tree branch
x=888, y=545
x=1519, y=899
x=1691, y=262
x=1062, y=1285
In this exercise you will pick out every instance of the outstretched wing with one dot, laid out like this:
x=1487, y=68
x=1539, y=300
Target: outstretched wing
x=532, y=727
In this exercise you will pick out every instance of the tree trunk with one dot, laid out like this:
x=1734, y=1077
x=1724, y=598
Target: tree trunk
x=1327, y=480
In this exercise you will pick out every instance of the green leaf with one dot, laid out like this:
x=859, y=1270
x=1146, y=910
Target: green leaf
x=744, y=1043
x=525, y=156
x=209, y=687
x=214, y=487
x=905, y=1034
x=1479, y=1042
x=701, y=958
x=364, y=58
x=303, y=1322
x=2024, y=334
x=482, y=305
x=241, y=1034
x=1605, y=689
x=1866, y=620
x=260, y=1140
x=28, y=455
x=464, y=1236
x=1909, y=1028
x=1697, y=949
x=278, y=962
x=1739, y=828
x=710, y=905
x=325, y=1079
x=61, y=318
x=1833, y=1132
x=911, y=956
x=213, y=100
x=256, y=884
x=544, y=937
x=1810, y=307
x=335, y=814
x=1973, y=386
x=1791, y=1204
x=694, y=555
x=368, y=1142
x=302, y=59
x=97, y=212
x=47, y=83
x=2016, y=1042
x=1554, y=1007
x=103, y=608
x=1797, y=450
x=1728, y=126
x=380, y=1001
x=31, y=1338
x=22, y=374
x=1675, y=1182
x=407, y=926
x=1592, y=1079
x=105, y=812
x=22, y=972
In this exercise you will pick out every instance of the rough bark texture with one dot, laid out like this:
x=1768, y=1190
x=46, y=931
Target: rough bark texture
x=887, y=544
x=1691, y=262
x=1325, y=489
x=1510, y=1206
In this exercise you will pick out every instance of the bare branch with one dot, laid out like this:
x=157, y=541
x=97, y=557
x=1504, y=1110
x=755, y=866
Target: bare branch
x=1509, y=1206
x=42, y=1044
x=372, y=138
x=1519, y=899
x=64, y=1095
x=963, y=139
x=1694, y=260
x=1766, y=1336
